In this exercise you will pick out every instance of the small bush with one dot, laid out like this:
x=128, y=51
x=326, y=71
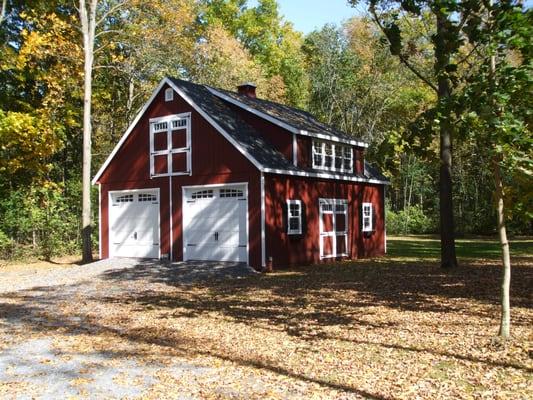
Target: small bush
x=6, y=246
x=412, y=220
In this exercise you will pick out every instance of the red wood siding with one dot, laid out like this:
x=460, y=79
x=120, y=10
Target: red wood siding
x=289, y=250
x=359, y=160
x=214, y=161
x=304, y=151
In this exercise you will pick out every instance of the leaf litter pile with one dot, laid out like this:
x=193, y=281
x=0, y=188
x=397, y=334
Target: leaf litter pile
x=385, y=329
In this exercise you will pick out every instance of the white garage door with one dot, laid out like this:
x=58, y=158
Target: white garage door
x=134, y=224
x=214, y=223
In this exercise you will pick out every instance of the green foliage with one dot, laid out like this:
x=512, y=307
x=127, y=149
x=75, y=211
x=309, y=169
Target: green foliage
x=42, y=219
x=6, y=246
x=412, y=220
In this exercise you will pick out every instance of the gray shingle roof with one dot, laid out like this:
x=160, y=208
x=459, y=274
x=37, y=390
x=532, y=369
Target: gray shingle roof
x=294, y=117
x=248, y=138
x=240, y=131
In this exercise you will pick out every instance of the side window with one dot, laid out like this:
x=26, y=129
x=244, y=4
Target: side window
x=294, y=217
x=366, y=217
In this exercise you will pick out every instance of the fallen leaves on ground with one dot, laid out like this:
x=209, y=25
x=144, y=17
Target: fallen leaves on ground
x=385, y=329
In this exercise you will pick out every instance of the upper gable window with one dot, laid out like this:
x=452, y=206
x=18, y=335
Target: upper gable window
x=332, y=156
x=170, y=145
x=169, y=94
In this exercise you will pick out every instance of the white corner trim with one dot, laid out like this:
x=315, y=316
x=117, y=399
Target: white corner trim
x=214, y=124
x=128, y=131
x=263, y=217
x=284, y=125
x=323, y=175
x=294, y=150
x=100, y=221
x=170, y=222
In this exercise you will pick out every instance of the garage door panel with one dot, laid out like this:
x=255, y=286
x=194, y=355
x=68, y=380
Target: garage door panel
x=134, y=224
x=215, y=227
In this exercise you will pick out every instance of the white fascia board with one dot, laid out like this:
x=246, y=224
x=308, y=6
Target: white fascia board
x=323, y=175
x=128, y=131
x=332, y=138
x=282, y=124
x=214, y=124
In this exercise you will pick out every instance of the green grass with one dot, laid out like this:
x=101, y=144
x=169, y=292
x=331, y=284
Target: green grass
x=428, y=247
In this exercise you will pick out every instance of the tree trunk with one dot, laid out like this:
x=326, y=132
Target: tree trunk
x=88, y=22
x=447, y=229
x=505, y=322
x=3, y=11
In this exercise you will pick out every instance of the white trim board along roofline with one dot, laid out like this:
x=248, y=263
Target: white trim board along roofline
x=284, y=125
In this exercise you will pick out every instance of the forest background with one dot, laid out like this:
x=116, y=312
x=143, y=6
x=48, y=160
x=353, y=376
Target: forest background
x=345, y=75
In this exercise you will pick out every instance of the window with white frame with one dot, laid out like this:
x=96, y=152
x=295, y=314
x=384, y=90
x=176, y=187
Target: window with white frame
x=294, y=217
x=332, y=156
x=366, y=211
x=170, y=145
x=169, y=94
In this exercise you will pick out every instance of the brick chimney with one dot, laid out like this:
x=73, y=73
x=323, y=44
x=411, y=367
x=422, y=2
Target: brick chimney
x=247, y=89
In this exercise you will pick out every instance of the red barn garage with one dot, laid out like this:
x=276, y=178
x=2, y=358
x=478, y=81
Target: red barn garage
x=208, y=174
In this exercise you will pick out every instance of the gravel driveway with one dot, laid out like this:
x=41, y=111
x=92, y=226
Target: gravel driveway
x=53, y=344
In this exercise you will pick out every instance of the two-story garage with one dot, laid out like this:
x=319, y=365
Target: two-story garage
x=208, y=174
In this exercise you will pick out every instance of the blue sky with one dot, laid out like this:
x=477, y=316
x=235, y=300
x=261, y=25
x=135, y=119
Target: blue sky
x=306, y=15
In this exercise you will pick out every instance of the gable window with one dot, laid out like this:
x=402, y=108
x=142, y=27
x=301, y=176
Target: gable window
x=366, y=223
x=169, y=94
x=170, y=145
x=332, y=156
x=294, y=217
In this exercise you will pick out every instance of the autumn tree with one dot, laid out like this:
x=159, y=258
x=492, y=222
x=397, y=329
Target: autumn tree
x=450, y=24
x=495, y=109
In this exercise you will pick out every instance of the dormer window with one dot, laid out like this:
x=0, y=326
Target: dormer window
x=332, y=156
x=170, y=145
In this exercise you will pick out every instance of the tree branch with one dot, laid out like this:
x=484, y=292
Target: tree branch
x=403, y=59
x=110, y=11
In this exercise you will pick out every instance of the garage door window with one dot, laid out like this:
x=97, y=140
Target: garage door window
x=202, y=194
x=127, y=198
x=231, y=193
x=170, y=145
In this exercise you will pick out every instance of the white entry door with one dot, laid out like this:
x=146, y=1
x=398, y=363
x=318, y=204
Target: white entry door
x=134, y=224
x=215, y=223
x=333, y=228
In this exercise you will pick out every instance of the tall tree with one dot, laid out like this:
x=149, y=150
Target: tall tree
x=450, y=22
x=496, y=109
x=87, y=11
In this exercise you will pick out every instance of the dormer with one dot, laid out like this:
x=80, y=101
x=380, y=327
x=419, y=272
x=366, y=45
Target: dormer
x=304, y=141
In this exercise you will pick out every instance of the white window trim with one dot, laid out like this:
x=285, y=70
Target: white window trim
x=169, y=151
x=169, y=94
x=335, y=147
x=333, y=234
x=289, y=230
x=370, y=207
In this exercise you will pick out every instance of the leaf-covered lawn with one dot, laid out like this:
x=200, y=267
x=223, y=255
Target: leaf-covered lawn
x=389, y=328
